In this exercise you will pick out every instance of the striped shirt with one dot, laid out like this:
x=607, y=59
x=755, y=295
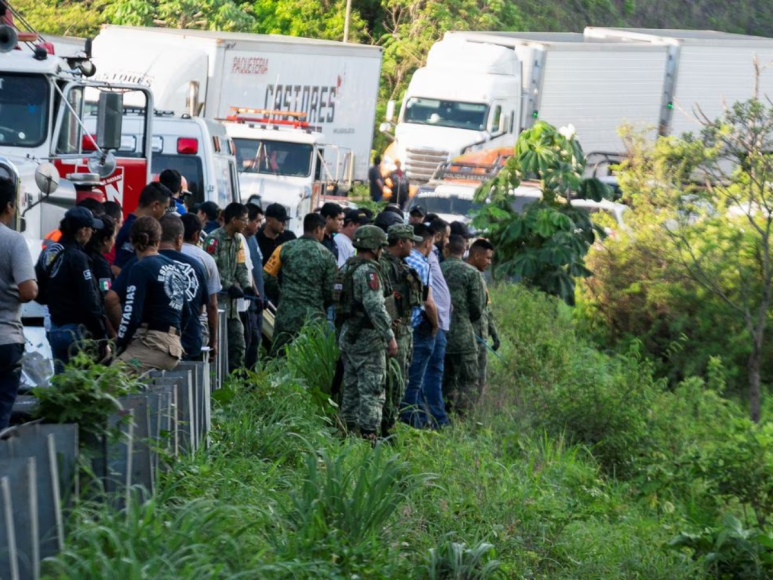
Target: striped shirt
x=418, y=262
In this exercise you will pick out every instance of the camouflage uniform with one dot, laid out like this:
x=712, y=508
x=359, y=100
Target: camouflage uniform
x=366, y=330
x=306, y=278
x=229, y=254
x=404, y=285
x=468, y=298
x=484, y=328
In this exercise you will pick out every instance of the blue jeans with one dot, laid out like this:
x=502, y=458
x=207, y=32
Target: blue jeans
x=412, y=408
x=10, y=376
x=62, y=338
x=432, y=386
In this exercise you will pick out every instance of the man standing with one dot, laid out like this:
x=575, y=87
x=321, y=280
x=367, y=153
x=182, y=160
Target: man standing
x=397, y=182
x=273, y=233
x=154, y=199
x=254, y=314
x=366, y=334
x=480, y=256
x=192, y=225
x=404, y=293
x=425, y=324
x=227, y=248
x=432, y=385
x=417, y=215
x=306, y=271
x=468, y=300
x=208, y=212
x=173, y=181
x=334, y=221
x=353, y=219
x=17, y=286
x=376, y=180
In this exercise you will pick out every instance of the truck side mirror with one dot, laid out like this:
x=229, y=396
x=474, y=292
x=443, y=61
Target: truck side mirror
x=109, y=121
x=390, y=111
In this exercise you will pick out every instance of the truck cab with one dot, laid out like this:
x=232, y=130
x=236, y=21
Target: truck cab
x=442, y=117
x=200, y=149
x=280, y=160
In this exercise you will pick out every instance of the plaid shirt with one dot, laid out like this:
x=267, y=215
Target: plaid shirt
x=418, y=262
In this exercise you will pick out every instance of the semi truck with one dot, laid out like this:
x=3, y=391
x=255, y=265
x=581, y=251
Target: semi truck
x=481, y=89
x=207, y=73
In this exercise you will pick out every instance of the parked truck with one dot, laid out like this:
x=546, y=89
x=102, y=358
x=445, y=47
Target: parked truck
x=335, y=85
x=481, y=89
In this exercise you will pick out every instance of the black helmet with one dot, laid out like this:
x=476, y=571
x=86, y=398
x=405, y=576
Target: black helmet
x=386, y=219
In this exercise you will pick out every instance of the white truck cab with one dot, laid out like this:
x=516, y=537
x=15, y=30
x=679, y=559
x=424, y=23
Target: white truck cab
x=280, y=160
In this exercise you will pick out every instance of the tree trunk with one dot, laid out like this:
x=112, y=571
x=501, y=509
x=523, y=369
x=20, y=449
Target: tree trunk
x=753, y=365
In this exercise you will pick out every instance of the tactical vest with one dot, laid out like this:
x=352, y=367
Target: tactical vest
x=343, y=290
x=405, y=291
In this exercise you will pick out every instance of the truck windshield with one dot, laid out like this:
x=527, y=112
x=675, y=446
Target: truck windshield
x=273, y=157
x=23, y=110
x=454, y=114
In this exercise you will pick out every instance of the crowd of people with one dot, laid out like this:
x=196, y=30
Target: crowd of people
x=145, y=292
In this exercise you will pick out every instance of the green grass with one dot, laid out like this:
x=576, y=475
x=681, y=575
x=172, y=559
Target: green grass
x=525, y=489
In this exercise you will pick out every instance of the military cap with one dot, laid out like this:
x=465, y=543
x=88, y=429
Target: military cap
x=369, y=238
x=403, y=232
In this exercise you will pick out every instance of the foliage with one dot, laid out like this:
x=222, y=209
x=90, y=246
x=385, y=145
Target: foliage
x=86, y=393
x=545, y=245
x=730, y=551
x=455, y=561
x=312, y=358
x=705, y=208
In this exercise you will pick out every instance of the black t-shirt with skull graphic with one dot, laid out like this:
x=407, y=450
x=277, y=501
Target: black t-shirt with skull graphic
x=164, y=291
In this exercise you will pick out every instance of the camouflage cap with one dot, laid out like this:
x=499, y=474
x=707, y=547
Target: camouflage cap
x=403, y=232
x=369, y=238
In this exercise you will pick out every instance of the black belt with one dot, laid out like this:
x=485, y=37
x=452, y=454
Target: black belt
x=161, y=328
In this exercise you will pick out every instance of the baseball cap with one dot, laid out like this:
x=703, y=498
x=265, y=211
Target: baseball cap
x=418, y=210
x=403, y=232
x=388, y=218
x=460, y=229
x=80, y=217
x=357, y=216
x=277, y=211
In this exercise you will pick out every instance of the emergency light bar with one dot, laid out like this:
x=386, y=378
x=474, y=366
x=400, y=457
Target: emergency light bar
x=267, y=117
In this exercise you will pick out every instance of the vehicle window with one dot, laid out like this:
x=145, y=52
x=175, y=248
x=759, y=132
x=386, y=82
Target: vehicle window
x=225, y=191
x=70, y=130
x=446, y=204
x=496, y=120
x=24, y=101
x=189, y=166
x=446, y=113
x=236, y=195
x=273, y=157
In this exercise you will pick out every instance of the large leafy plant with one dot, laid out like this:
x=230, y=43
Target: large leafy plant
x=544, y=245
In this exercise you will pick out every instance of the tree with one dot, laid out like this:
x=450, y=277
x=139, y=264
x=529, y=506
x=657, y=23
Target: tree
x=713, y=198
x=544, y=246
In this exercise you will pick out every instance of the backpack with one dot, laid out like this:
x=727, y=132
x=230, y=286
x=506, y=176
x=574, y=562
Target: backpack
x=343, y=290
x=48, y=264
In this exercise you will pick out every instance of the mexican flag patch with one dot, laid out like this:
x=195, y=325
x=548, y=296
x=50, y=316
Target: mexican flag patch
x=105, y=284
x=211, y=246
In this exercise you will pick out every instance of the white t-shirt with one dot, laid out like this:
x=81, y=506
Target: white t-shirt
x=210, y=268
x=242, y=304
x=345, y=248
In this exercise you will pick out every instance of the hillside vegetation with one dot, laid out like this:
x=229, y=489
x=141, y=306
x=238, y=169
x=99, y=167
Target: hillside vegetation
x=576, y=465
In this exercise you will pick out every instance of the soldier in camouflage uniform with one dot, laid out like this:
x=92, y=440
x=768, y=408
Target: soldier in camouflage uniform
x=306, y=271
x=480, y=256
x=405, y=288
x=366, y=333
x=460, y=377
x=226, y=245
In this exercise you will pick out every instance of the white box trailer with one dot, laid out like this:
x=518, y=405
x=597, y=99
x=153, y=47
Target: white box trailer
x=706, y=70
x=596, y=86
x=208, y=72
x=452, y=107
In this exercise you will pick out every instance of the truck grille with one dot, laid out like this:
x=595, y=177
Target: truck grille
x=420, y=164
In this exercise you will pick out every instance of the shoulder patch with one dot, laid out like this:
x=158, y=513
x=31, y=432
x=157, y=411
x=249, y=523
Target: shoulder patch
x=87, y=274
x=105, y=284
x=373, y=282
x=211, y=246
